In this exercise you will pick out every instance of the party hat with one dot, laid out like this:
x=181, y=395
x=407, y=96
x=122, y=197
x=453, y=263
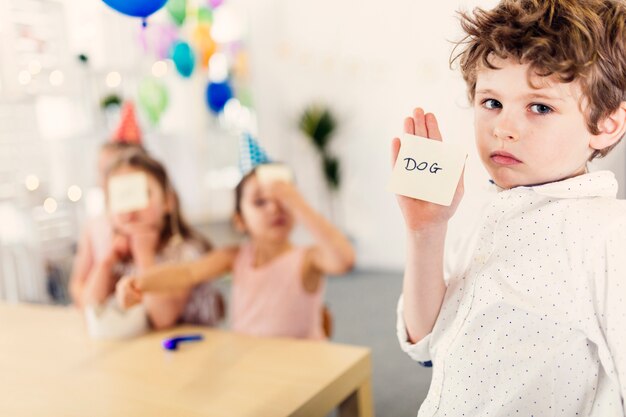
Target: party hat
x=251, y=154
x=128, y=130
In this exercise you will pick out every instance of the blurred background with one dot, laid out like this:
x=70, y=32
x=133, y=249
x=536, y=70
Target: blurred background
x=200, y=74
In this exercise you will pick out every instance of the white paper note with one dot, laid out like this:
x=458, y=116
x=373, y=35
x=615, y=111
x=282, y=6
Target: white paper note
x=128, y=192
x=427, y=169
x=268, y=173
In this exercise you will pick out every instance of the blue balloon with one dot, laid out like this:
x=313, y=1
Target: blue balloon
x=183, y=58
x=136, y=8
x=217, y=94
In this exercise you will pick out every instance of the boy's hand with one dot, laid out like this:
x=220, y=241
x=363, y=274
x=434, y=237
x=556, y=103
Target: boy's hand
x=420, y=215
x=127, y=293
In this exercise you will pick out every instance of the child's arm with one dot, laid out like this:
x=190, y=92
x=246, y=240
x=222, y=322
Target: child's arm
x=333, y=253
x=163, y=309
x=426, y=225
x=100, y=282
x=172, y=277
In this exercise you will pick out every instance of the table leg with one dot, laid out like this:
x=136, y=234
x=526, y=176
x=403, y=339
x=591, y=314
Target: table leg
x=359, y=403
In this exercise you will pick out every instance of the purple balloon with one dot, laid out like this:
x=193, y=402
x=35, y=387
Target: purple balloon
x=168, y=34
x=215, y=3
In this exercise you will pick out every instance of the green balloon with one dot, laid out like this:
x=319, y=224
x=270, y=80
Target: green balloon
x=205, y=15
x=178, y=10
x=153, y=98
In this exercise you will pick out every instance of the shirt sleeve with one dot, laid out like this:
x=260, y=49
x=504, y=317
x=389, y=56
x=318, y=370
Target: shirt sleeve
x=419, y=351
x=614, y=316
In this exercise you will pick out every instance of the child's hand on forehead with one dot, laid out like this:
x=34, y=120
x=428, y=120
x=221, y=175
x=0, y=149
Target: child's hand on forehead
x=418, y=214
x=285, y=192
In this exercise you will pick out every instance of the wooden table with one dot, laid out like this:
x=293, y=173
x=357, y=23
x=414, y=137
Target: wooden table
x=49, y=367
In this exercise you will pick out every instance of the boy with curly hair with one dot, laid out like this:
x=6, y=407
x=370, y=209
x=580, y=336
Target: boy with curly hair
x=535, y=324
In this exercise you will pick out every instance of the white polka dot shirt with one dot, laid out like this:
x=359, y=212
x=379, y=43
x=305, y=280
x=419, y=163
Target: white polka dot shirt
x=535, y=323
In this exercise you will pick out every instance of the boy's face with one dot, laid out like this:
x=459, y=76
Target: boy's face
x=525, y=135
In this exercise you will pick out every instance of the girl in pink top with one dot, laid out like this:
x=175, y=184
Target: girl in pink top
x=277, y=287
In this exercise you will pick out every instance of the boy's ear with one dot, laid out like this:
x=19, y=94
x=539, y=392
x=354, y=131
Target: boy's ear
x=238, y=222
x=612, y=129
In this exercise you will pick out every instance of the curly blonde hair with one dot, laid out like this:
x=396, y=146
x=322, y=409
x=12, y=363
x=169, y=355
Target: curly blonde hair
x=572, y=40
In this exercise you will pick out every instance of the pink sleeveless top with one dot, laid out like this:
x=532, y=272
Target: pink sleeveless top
x=270, y=300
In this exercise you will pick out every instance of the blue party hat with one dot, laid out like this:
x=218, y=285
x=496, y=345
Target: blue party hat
x=251, y=154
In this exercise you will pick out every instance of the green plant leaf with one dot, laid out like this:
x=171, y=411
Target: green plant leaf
x=332, y=172
x=110, y=100
x=318, y=124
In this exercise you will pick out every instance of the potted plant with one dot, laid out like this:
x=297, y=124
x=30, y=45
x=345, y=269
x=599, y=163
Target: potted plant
x=318, y=124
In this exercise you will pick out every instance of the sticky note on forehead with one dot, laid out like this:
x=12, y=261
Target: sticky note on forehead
x=268, y=173
x=128, y=192
x=427, y=169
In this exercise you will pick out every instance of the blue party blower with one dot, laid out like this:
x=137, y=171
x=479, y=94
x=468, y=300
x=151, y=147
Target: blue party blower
x=171, y=343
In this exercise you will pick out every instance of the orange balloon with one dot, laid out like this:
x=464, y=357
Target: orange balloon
x=201, y=38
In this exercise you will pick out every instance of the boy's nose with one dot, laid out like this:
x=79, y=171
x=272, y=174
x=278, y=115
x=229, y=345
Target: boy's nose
x=505, y=128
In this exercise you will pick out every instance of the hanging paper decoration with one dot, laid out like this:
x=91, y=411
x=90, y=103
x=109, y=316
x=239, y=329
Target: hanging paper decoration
x=177, y=10
x=217, y=94
x=201, y=38
x=136, y=8
x=251, y=154
x=128, y=129
x=153, y=98
x=183, y=58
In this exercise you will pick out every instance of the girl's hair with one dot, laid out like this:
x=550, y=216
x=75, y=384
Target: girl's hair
x=239, y=189
x=175, y=223
x=572, y=40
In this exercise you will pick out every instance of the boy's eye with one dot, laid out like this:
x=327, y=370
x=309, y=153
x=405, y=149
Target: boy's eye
x=491, y=103
x=259, y=202
x=540, y=109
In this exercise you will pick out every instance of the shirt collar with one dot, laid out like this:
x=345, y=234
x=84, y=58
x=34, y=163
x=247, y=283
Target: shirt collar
x=594, y=184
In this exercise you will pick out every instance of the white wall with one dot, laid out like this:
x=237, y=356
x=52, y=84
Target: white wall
x=372, y=62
